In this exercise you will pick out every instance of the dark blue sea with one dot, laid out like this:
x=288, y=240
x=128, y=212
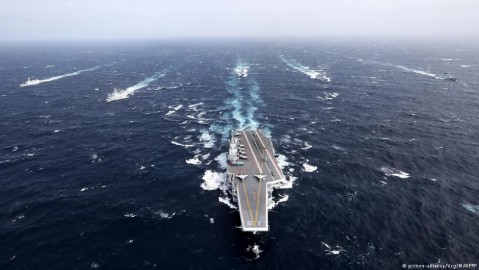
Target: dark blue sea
x=112, y=154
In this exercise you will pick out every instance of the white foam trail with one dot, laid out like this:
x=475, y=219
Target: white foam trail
x=222, y=161
x=201, y=119
x=256, y=250
x=242, y=106
x=194, y=161
x=306, y=146
x=470, y=207
x=213, y=180
x=288, y=183
x=17, y=218
x=272, y=203
x=164, y=215
x=286, y=138
x=228, y=202
x=329, y=96
x=282, y=161
x=255, y=101
x=33, y=82
x=417, y=71
x=180, y=144
x=394, y=172
x=95, y=158
x=119, y=94
x=313, y=74
x=309, y=168
x=449, y=59
x=236, y=102
x=241, y=69
x=331, y=251
x=336, y=147
x=194, y=106
x=407, y=69
x=174, y=109
x=207, y=139
x=177, y=107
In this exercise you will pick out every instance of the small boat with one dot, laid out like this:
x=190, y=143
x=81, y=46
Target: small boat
x=448, y=77
x=30, y=82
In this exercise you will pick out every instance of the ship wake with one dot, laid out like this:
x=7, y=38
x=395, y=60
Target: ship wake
x=241, y=70
x=241, y=108
x=33, y=82
x=119, y=94
x=313, y=74
x=406, y=69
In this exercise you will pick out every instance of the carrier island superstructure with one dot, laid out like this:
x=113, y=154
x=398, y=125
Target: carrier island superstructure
x=253, y=171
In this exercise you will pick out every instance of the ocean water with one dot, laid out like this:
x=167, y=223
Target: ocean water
x=112, y=155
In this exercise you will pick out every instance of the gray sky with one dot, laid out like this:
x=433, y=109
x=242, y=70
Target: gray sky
x=154, y=19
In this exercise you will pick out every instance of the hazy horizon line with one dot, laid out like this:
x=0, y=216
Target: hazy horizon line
x=285, y=38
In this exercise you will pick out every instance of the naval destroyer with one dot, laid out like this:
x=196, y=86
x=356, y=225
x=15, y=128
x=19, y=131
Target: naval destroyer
x=252, y=171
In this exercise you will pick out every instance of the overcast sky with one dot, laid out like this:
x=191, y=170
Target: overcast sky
x=154, y=19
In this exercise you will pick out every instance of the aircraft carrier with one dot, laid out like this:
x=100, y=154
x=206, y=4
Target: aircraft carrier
x=253, y=171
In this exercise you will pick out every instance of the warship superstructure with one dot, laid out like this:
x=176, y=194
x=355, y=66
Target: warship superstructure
x=253, y=170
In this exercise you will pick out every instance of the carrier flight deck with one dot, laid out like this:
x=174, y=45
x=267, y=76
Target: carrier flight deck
x=252, y=171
